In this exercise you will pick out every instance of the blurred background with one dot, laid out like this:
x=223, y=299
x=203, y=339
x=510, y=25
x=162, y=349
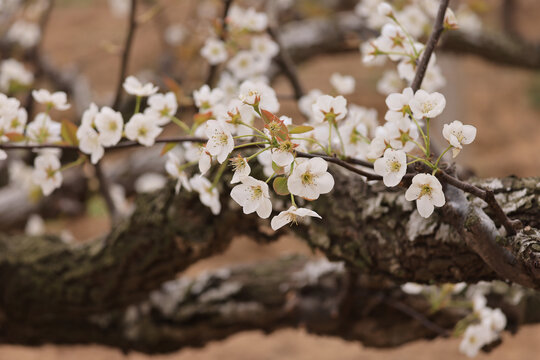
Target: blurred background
x=85, y=37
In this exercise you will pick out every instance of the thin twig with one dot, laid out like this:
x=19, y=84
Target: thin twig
x=342, y=163
x=125, y=54
x=487, y=195
x=417, y=316
x=212, y=72
x=438, y=28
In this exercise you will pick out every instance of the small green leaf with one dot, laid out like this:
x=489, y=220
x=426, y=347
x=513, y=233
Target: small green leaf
x=168, y=147
x=279, y=170
x=69, y=133
x=299, y=129
x=280, y=186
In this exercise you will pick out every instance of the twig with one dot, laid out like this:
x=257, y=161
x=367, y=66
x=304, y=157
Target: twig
x=416, y=315
x=438, y=28
x=487, y=195
x=342, y=163
x=286, y=64
x=212, y=72
x=105, y=192
x=125, y=54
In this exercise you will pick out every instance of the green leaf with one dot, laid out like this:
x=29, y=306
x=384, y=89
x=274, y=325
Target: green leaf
x=299, y=129
x=280, y=186
x=69, y=133
x=168, y=147
x=279, y=170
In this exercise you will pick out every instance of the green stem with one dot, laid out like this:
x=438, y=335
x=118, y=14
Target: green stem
x=329, y=151
x=77, y=162
x=409, y=37
x=315, y=141
x=270, y=178
x=257, y=153
x=340, y=140
x=181, y=124
x=292, y=200
x=254, y=129
x=138, y=105
x=428, y=153
x=441, y=156
x=219, y=173
x=422, y=160
x=251, y=144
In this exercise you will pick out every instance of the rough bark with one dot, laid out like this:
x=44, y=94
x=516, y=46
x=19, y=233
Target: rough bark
x=314, y=295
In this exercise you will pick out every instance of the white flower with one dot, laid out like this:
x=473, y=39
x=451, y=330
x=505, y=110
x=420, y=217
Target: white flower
x=208, y=194
x=57, y=100
x=392, y=166
x=450, y=21
x=282, y=155
x=427, y=191
x=494, y=319
x=14, y=72
x=174, y=166
x=474, y=338
x=35, y=226
x=89, y=143
x=412, y=288
x=344, y=84
x=368, y=10
x=244, y=65
x=149, y=182
x=253, y=195
x=27, y=34
x=327, y=107
x=309, y=179
x=162, y=107
x=142, y=129
x=264, y=47
x=214, y=51
x=110, y=125
x=175, y=34
x=250, y=91
x=400, y=102
x=47, y=173
x=247, y=19
x=206, y=98
x=385, y=9
x=220, y=141
x=13, y=121
x=291, y=216
x=241, y=169
x=134, y=87
x=119, y=8
x=413, y=19
x=306, y=102
x=43, y=130
x=427, y=105
x=389, y=83
x=458, y=134
x=229, y=85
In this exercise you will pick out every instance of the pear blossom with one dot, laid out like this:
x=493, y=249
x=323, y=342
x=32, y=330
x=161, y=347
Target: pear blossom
x=253, y=195
x=377, y=146
x=142, y=129
x=400, y=102
x=241, y=169
x=475, y=337
x=47, y=173
x=413, y=19
x=174, y=167
x=229, y=85
x=310, y=178
x=291, y=216
x=205, y=160
x=109, y=124
x=427, y=191
x=389, y=83
x=35, y=226
x=14, y=72
x=392, y=166
x=206, y=98
x=426, y=105
x=282, y=155
x=14, y=122
x=248, y=19
x=306, y=102
x=25, y=33
x=458, y=135
x=393, y=40
x=208, y=194
x=175, y=34
x=264, y=46
x=368, y=9
x=220, y=141
x=344, y=84
x=385, y=9
x=327, y=107
x=450, y=20
x=43, y=130
x=149, y=182
x=134, y=87
x=57, y=100
x=246, y=64
x=162, y=107
x=214, y=51
x=89, y=143
x=252, y=91
x=89, y=116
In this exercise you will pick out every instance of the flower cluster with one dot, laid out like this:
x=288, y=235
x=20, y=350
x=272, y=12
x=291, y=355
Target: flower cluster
x=401, y=28
x=244, y=43
x=406, y=135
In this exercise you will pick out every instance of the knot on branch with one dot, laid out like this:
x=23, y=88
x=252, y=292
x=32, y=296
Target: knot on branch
x=526, y=245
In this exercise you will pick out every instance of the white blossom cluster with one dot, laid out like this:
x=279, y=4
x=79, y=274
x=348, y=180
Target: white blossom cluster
x=23, y=20
x=244, y=45
x=401, y=28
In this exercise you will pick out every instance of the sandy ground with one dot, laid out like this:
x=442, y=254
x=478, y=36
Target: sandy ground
x=507, y=143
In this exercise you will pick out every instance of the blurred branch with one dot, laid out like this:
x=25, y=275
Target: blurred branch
x=212, y=71
x=132, y=24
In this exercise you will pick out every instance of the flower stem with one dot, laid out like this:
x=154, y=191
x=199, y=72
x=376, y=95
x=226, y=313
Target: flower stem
x=219, y=173
x=181, y=124
x=251, y=144
x=257, y=153
x=441, y=156
x=138, y=104
x=77, y=162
